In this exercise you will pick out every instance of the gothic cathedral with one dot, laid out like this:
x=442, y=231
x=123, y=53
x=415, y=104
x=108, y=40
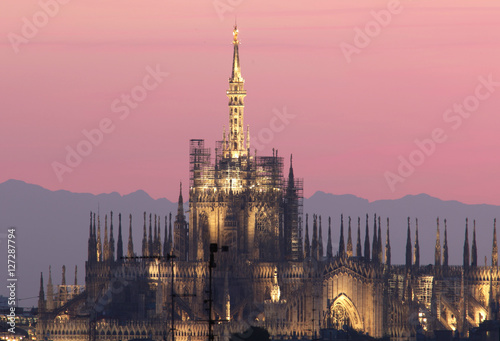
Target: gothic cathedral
x=240, y=262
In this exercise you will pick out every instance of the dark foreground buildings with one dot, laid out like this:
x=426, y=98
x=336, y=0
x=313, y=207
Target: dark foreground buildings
x=269, y=278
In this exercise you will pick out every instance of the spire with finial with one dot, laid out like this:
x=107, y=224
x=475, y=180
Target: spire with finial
x=329, y=249
x=130, y=248
x=41, y=295
x=155, y=238
x=105, y=248
x=320, y=241
x=94, y=239
x=170, y=240
x=158, y=242
x=291, y=179
x=445, y=246
x=367, y=241
x=474, y=247
x=349, y=240
x=341, y=240
x=315, y=237
x=494, y=250
x=408, y=247
x=437, y=251
x=466, y=245
x=417, y=247
x=50, y=291
x=150, y=237
x=76, y=274
x=111, y=241
x=387, y=246
x=166, y=242
x=63, y=281
x=99, y=247
x=181, y=244
x=236, y=139
x=119, y=244
x=91, y=251
x=62, y=288
x=145, y=239
x=379, y=243
x=358, y=243
x=307, y=246
x=375, y=240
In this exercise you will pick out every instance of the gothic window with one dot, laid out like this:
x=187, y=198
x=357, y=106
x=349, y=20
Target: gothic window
x=340, y=317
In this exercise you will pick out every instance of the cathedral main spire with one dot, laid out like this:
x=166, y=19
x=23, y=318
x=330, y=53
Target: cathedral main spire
x=234, y=146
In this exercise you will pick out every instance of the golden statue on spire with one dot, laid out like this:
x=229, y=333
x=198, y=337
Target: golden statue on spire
x=235, y=34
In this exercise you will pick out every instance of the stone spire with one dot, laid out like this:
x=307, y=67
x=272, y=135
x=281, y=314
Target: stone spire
x=105, y=248
x=63, y=281
x=94, y=238
x=437, y=251
x=158, y=242
x=99, y=247
x=145, y=239
x=379, y=243
x=307, y=246
x=76, y=274
x=235, y=146
x=50, y=291
x=417, y=247
x=119, y=244
x=341, y=240
x=358, y=243
x=375, y=240
x=408, y=247
x=387, y=246
x=181, y=244
x=166, y=241
x=445, y=247
x=466, y=245
x=329, y=249
x=320, y=241
x=349, y=240
x=170, y=240
x=91, y=249
x=150, y=237
x=474, y=247
x=315, y=237
x=155, y=238
x=111, y=241
x=130, y=248
x=367, y=241
x=41, y=294
x=494, y=250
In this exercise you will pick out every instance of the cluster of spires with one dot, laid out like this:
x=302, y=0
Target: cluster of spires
x=314, y=249
x=151, y=242
x=63, y=292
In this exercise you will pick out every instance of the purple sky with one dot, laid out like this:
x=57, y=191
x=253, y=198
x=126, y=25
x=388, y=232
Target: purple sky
x=356, y=115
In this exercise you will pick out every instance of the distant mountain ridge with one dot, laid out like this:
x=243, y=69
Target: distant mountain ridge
x=52, y=226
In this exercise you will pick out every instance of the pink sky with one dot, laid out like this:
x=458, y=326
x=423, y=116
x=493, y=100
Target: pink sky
x=352, y=121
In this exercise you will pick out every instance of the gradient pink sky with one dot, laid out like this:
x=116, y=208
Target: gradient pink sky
x=353, y=120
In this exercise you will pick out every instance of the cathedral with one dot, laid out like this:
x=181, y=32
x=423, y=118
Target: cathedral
x=238, y=261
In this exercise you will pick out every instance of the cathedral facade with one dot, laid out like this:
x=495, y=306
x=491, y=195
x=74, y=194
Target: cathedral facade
x=240, y=262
